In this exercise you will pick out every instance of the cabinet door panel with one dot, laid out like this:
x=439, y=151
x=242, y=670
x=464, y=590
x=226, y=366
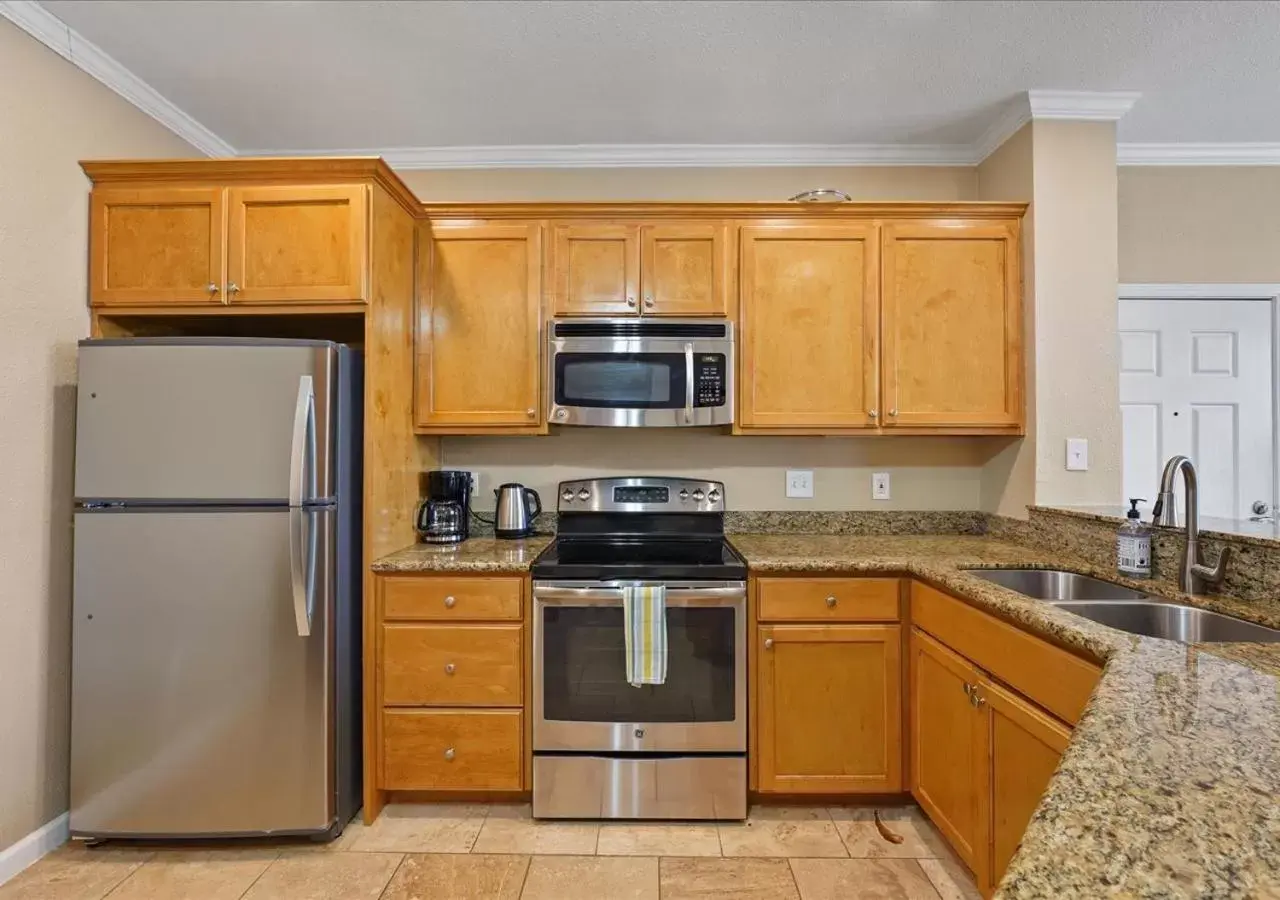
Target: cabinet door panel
x=597, y=270
x=946, y=746
x=478, y=326
x=298, y=244
x=156, y=246
x=683, y=269
x=830, y=708
x=809, y=326
x=952, y=324
x=1025, y=747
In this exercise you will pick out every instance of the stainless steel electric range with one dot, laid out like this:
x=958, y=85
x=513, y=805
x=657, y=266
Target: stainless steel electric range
x=606, y=749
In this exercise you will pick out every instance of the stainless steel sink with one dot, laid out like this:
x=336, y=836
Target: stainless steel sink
x=1050, y=584
x=1172, y=621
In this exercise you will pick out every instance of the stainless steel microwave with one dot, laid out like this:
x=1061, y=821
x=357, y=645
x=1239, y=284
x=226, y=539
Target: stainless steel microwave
x=640, y=372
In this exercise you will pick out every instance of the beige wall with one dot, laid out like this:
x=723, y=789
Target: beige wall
x=748, y=184
x=926, y=473
x=53, y=115
x=1199, y=224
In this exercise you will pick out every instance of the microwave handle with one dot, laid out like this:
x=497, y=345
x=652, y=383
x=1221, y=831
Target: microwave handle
x=688, y=384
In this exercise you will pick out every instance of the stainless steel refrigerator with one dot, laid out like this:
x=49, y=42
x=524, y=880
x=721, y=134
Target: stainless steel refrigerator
x=217, y=585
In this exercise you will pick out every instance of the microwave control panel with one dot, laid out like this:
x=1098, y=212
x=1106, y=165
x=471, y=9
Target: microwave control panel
x=709, y=379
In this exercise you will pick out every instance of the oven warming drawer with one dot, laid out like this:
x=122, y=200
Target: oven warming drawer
x=664, y=787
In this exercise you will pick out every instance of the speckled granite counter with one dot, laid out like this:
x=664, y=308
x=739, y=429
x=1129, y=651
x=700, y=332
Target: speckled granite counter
x=474, y=555
x=1170, y=785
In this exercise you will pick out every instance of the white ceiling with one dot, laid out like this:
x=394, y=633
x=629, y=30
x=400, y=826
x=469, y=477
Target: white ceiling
x=301, y=75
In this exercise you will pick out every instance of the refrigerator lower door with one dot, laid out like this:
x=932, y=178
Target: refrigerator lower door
x=197, y=707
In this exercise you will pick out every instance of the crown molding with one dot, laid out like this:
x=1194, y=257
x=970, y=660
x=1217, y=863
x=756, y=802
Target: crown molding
x=55, y=34
x=1243, y=154
x=1086, y=106
x=1006, y=125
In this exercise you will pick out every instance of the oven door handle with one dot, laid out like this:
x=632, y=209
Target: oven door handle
x=612, y=595
x=688, y=383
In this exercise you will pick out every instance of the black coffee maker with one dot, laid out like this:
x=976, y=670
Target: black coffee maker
x=443, y=517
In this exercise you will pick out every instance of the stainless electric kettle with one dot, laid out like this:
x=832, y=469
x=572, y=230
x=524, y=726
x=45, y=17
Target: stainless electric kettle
x=518, y=506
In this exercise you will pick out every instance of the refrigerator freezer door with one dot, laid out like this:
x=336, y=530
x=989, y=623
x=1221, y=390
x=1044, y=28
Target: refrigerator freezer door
x=196, y=708
x=181, y=421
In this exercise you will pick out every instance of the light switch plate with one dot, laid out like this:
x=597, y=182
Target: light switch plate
x=1077, y=455
x=879, y=485
x=799, y=482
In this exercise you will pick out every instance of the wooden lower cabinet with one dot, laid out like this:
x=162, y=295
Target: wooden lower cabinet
x=829, y=708
x=452, y=665
x=445, y=749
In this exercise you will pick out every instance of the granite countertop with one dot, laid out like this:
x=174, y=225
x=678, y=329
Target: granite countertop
x=1169, y=786
x=475, y=555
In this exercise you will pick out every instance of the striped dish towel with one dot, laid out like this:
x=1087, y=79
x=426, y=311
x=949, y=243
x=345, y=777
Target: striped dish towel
x=645, y=613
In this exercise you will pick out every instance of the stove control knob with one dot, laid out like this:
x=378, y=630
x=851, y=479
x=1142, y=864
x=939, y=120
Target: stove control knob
x=584, y=494
x=714, y=496
x=567, y=495
x=698, y=495
x=684, y=494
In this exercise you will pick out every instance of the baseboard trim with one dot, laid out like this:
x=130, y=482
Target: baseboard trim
x=49, y=836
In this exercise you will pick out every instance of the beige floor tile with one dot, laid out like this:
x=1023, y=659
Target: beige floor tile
x=455, y=877
x=863, y=879
x=858, y=830
x=511, y=829
x=73, y=872
x=325, y=876
x=782, y=831
x=740, y=879
x=654, y=839
x=591, y=878
x=950, y=879
x=223, y=874
x=418, y=828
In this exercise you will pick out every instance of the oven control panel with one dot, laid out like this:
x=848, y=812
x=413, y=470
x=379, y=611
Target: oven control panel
x=641, y=494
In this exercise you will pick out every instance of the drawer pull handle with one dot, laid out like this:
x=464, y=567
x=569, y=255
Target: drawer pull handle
x=449, y=602
x=831, y=602
x=449, y=668
x=768, y=643
x=449, y=754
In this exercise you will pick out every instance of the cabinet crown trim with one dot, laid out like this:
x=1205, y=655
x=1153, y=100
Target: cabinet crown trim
x=810, y=212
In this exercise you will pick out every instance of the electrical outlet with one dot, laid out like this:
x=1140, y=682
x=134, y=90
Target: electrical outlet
x=879, y=485
x=799, y=482
x=1077, y=455
x=475, y=481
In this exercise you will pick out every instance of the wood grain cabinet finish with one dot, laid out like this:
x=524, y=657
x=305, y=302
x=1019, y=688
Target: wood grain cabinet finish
x=451, y=599
x=829, y=709
x=452, y=665
x=478, y=337
x=828, y=599
x=808, y=327
x=156, y=246
x=952, y=325
x=684, y=269
x=595, y=269
x=445, y=749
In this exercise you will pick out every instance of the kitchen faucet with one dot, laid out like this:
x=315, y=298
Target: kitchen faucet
x=1193, y=574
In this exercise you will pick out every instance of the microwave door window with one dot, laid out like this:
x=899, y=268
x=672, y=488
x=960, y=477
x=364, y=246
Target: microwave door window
x=620, y=380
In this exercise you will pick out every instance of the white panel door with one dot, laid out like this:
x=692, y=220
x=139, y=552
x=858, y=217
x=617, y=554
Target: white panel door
x=1196, y=379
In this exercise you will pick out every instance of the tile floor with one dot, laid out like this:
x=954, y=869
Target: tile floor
x=443, y=852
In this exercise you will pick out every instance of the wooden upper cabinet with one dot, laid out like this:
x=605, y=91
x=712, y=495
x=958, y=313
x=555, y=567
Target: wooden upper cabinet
x=298, y=243
x=829, y=709
x=952, y=324
x=596, y=269
x=947, y=747
x=1024, y=748
x=480, y=288
x=684, y=269
x=156, y=246
x=808, y=326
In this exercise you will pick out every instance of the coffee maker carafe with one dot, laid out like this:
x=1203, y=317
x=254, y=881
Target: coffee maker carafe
x=443, y=517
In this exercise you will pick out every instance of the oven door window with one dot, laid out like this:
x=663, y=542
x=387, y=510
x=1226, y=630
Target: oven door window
x=620, y=380
x=585, y=670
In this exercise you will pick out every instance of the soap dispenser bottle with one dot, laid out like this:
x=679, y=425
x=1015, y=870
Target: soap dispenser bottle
x=1133, y=544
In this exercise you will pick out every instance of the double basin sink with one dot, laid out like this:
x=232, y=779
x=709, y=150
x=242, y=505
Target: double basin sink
x=1127, y=610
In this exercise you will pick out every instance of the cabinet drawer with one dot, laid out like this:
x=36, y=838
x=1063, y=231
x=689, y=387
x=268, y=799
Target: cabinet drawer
x=1050, y=676
x=827, y=599
x=433, y=749
x=452, y=665
x=406, y=597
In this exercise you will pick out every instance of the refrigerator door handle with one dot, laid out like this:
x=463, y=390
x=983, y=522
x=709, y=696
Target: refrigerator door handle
x=302, y=536
x=304, y=413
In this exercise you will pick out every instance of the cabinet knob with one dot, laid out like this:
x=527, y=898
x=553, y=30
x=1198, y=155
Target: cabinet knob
x=968, y=689
x=893, y=413
x=648, y=303
x=233, y=288
x=530, y=413
x=449, y=601
x=631, y=301
x=211, y=288
x=831, y=602
x=450, y=668
x=449, y=754
x=768, y=643
x=873, y=413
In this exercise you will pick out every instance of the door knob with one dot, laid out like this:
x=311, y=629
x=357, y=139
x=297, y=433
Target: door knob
x=450, y=668
x=968, y=689
x=648, y=303
x=1261, y=508
x=768, y=643
x=831, y=602
x=873, y=413
x=631, y=301
x=449, y=754
x=449, y=601
x=233, y=288
x=211, y=288
x=893, y=413
x=530, y=413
